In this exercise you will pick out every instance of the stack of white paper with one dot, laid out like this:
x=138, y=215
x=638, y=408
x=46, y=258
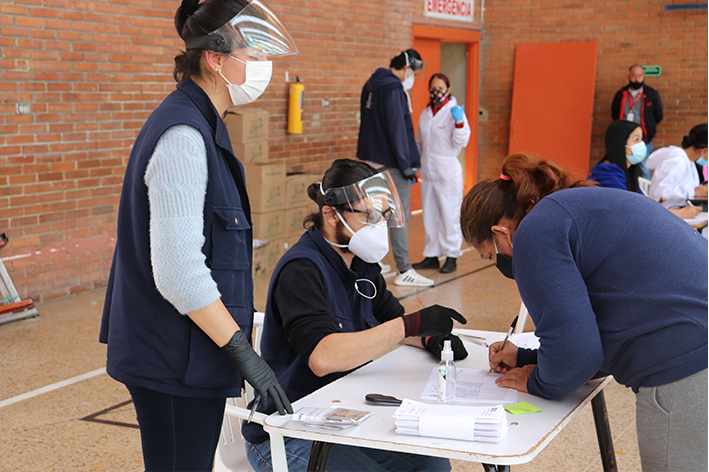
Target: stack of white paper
x=468, y=423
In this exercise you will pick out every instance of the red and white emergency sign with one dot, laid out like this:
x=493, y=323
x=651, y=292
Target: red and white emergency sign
x=460, y=10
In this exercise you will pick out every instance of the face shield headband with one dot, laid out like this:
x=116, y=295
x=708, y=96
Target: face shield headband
x=415, y=64
x=371, y=200
x=255, y=31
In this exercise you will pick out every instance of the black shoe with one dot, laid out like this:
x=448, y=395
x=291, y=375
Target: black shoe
x=449, y=266
x=427, y=263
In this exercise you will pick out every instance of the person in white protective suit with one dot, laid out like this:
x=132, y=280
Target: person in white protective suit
x=442, y=132
x=676, y=177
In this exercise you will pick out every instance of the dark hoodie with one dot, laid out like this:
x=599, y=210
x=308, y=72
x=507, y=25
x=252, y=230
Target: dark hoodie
x=386, y=132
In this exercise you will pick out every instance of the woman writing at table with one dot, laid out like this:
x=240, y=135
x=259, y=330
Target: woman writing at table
x=676, y=178
x=615, y=284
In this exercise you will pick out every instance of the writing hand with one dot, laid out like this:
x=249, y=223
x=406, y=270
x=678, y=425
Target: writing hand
x=516, y=378
x=505, y=360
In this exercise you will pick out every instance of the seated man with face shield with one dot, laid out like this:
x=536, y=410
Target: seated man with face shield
x=328, y=310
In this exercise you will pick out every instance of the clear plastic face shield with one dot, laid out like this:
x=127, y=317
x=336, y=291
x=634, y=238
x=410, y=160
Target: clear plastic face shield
x=373, y=201
x=417, y=65
x=256, y=31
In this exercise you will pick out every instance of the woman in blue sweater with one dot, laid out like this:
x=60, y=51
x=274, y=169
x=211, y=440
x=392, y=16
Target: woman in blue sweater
x=615, y=284
x=624, y=150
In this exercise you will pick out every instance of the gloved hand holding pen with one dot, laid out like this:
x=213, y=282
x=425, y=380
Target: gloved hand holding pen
x=431, y=320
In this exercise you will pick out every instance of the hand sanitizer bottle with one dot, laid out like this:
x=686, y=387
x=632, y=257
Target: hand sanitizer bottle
x=446, y=375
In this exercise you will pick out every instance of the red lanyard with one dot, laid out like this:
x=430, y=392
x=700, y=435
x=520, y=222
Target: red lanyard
x=633, y=103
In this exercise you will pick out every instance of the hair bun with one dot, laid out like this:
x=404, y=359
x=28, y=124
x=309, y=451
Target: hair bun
x=189, y=7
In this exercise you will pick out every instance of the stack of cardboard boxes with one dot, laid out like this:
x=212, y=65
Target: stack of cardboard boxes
x=278, y=203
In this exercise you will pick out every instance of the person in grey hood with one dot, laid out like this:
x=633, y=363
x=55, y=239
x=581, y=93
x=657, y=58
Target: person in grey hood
x=387, y=142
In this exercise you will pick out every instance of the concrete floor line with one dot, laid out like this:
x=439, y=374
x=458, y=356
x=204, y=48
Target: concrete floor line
x=52, y=387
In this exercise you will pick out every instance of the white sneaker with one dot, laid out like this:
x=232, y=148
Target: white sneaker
x=413, y=279
x=386, y=268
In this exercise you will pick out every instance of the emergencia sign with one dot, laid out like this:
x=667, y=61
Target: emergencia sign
x=460, y=10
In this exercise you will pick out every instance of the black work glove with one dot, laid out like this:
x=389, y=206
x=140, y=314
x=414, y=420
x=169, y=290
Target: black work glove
x=410, y=174
x=434, y=344
x=257, y=372
x=435, y=319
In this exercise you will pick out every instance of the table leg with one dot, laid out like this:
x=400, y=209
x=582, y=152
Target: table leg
x=496, y=468
x=603, y=430
x=319, y=454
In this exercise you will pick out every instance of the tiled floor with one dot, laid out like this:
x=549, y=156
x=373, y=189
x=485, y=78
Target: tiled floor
x=89, y=425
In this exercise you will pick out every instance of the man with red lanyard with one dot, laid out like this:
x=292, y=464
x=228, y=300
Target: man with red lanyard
x=641, y=104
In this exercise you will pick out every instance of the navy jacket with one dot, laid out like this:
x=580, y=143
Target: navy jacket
x=614, y=282
x=352, y=313
x=150, y=344
x=651, y=109
x=386, y=132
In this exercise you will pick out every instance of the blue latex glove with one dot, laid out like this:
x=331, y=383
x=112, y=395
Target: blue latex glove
x=458, y=113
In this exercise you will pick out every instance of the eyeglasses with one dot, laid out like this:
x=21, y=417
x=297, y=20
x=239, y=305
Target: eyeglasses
x=372, y=216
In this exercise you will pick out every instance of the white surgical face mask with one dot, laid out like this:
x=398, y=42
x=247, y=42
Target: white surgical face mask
x=370, y=243
x=258, y=76
x=408, y=81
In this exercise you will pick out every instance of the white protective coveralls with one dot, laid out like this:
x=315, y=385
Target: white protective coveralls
x=675, y=177
x=439, y=143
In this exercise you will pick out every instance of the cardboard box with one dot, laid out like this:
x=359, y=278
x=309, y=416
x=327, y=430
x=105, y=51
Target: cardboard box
x=247, y=125
x=265, y=173
x=274, y=253
x=297, y=189
x=266, y=197
x=294, y=220
x=269, y=225
x=291, y=241
x=249, y=153
x=259, y=266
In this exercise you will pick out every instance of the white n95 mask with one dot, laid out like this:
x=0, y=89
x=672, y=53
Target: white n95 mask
x=257, y=78
x=370, y=243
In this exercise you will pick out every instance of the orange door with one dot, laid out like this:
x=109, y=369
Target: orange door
x=552, y=102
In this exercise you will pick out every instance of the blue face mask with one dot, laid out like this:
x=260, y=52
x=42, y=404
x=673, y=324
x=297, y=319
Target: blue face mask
x=702, y=162
x=639, y=152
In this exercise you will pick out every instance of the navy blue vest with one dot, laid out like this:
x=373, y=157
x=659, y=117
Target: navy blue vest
x=150, y=344
x=351, y=311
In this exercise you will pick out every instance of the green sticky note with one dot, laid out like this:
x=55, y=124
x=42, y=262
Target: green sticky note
x=521, y=408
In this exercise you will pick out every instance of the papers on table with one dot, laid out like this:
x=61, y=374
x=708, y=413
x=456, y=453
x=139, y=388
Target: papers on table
x=700, y=218
x=472, y=386
x=467, y=423
x=526, y=340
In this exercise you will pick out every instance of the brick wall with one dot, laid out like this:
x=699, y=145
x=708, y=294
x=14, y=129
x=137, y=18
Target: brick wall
x=93, y=70
x=627, y=32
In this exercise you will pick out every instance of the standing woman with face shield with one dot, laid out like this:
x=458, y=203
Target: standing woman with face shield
x=179, y=302
x=443, y=132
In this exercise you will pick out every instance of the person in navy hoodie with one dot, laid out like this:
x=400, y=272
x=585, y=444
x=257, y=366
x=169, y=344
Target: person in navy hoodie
x=179, y=301
x=386, y=141
x=615, y=284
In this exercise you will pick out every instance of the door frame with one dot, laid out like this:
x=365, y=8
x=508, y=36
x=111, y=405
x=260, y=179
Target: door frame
x=472, y=39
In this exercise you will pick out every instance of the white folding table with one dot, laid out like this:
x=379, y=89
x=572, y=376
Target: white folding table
x=403, y=373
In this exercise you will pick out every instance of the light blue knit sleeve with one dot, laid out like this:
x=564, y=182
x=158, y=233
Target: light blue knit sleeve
x=176, y=177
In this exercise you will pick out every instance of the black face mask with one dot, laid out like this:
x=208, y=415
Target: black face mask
x=636, y=85
x=504, y=264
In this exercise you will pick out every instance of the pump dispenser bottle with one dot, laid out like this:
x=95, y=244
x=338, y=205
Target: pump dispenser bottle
x=446, y=375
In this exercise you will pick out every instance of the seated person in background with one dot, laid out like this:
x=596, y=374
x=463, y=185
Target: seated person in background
x=624, y=150
x=329, y=312
x=676, y=177
x=618, y=168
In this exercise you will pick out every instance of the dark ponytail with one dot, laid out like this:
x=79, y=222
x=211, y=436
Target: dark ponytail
x=697, y=138
x=341, y=173
x=194, y=19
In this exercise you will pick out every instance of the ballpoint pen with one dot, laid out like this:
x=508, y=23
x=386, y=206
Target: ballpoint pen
x=509, y=333
x=255, y=405
x=473, y=339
